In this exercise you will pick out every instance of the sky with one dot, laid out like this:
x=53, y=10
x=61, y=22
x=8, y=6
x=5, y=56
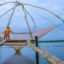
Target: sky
x=42, y=18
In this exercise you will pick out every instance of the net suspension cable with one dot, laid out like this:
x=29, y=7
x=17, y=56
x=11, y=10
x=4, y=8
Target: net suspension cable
x=27, y=21
x=11, y=16
x=35, y=7
x=51, y=22
x=46, y=10
x=7, y=3
x=31, y=17
x=53, y=14
x=25, y=11
x=10, y=20
x=7, y=11
x=50, y=12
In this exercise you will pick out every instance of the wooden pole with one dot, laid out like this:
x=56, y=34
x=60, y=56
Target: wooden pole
x=37, y=56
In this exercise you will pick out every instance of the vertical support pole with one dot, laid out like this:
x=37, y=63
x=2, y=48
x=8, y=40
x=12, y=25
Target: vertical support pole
x=37, y=56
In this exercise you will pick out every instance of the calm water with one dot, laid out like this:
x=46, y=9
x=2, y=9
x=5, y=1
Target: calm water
x=56, y=49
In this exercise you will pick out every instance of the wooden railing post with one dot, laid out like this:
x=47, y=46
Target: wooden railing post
x=37, y=55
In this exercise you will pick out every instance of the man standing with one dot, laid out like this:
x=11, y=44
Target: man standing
x=7, y=33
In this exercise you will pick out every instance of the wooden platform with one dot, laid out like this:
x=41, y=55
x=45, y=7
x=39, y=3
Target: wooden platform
x=17, y=41
x=15, y=45
x=18, y=37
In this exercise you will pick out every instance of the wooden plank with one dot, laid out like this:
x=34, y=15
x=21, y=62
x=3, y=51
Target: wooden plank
x=16, y=45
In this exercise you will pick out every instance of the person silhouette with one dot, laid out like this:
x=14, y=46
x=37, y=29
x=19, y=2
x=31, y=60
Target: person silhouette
x=7, y=33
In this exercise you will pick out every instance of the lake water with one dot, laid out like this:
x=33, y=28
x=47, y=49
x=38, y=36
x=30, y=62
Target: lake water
x=56, y=49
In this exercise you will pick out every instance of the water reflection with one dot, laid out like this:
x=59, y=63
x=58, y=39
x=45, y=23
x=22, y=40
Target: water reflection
x=18, y=59
x=56, y=49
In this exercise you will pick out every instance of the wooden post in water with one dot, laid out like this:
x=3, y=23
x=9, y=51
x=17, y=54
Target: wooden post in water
x=37, y=56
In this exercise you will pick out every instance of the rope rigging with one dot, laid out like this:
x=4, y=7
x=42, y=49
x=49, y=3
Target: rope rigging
x=46, y=10
x=7, y=3
x=11, y=16
x=27, y=21
x=50, y=22
x=7, y=11
x=19, y=3
x=26, y=12
x=31, y=17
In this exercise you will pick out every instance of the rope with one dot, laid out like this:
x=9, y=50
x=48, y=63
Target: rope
x=31, y=17
x=11, y=16
x=7, y=3
x=27, y=21
x=54, y=24
x=46, y=10
x=27, y=12
x=36, y=7
x=7, y=11
x=49, y=22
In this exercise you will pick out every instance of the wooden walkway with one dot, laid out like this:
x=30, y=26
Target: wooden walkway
x=15, y=44
x=50, y=58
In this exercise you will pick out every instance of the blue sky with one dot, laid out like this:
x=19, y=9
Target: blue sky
x=42, y=18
